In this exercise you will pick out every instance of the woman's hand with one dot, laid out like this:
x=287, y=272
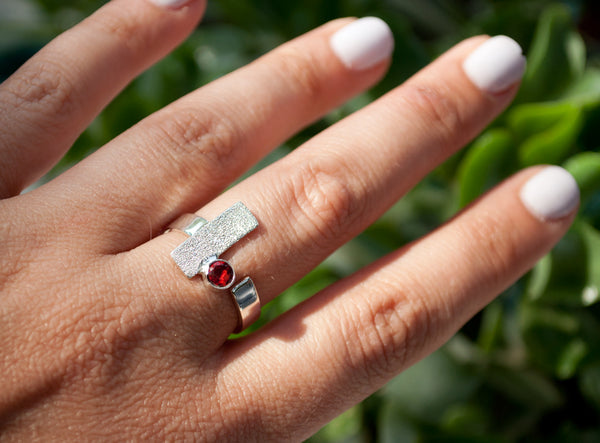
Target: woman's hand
x=103, y=336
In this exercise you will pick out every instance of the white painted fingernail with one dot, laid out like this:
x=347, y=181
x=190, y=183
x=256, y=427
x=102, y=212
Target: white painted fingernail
x=550, y=194
x=496, y=64
x=170, y=4
x=363, y=43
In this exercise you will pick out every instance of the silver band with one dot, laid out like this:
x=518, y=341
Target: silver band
x=193, y=225
x=199, y=254
x=188, y=224
x=246, y=299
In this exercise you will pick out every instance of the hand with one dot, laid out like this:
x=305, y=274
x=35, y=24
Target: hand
x=104, y=337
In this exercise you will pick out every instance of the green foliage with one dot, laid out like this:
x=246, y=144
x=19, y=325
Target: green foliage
x=528, y=366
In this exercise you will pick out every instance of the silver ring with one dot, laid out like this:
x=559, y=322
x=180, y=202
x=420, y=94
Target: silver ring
x=207, y=240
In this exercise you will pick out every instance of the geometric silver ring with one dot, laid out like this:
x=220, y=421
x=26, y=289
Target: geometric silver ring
x=199, y=255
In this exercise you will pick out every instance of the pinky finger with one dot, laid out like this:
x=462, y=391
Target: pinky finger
x=346, y=342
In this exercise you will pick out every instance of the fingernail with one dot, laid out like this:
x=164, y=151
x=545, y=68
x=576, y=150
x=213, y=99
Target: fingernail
x=170, y=4
x=363, y=43
x=550, y=194
x=496, y=64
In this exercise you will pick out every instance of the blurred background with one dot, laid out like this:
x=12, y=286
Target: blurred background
x=527, y=368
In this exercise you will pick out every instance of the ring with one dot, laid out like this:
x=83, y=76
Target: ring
x=207, y=240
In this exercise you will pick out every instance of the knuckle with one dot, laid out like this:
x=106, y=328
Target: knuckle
x=125, y=31
x=326, y=202
x=385, y=335
x=301, y=69
x=209, y=139
x=439, y=109
x=42, y=84
x=497, y=249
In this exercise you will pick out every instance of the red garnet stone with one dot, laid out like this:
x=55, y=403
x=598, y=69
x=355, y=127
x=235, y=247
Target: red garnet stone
x=220, y=273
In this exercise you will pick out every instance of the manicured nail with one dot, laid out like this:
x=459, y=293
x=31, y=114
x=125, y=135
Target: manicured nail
x=363, y=43
x=550, y=194
x=170, y=4
x=496, y=64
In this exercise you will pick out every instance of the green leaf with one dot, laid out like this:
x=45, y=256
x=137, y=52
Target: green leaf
x=576, y=53
x=591, y=240
x=590, y=383
x=395, y=427
x=570, y=274
x=554, y=144
x=465, y=419
x=586, y=91
x=530, y=119
x=570, y=357
x=344, y=428
x=556, y=57
x=485, y=164
x=427, y=389
x=525, y=387
x=540, y=278
x=552, y=338
x=560, y=277
x=585, y=167
x=490, y=330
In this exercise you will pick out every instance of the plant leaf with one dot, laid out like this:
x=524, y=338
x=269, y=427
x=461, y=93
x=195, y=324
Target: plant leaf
x=585, y=168
x=556, y=57
x=553, y=145
x=485, y=164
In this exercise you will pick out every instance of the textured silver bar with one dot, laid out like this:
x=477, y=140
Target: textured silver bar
x=246, y=297
x=214, y=238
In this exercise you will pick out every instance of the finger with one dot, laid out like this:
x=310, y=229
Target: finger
x=184, y=155
x=342, y=180
x=48, y=102
x=334, y=186
x=346, y=342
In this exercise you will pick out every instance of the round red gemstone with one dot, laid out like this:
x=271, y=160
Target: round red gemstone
x=220, y=273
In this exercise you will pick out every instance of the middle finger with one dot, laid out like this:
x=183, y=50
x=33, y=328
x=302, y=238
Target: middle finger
x=181, y=157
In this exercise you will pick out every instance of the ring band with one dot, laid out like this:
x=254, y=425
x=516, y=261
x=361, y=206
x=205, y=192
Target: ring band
x=248, y=303
x=199, y=254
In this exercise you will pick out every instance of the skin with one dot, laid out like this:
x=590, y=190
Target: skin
x=103, y=337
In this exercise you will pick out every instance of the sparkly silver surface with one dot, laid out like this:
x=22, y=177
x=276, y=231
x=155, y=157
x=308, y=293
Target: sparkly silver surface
x=214, y=238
